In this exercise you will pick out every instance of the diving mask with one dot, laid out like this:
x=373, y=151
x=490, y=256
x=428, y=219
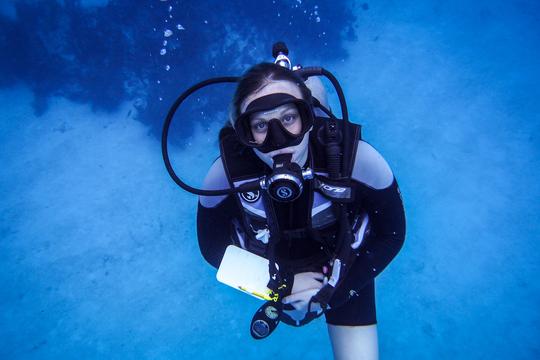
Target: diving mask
x=276, y=132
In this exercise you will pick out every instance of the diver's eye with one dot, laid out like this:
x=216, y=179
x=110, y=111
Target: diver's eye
x=259, y=126
x=289, y=119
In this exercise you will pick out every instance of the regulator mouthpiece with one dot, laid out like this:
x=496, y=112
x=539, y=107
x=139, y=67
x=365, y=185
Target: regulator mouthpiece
x=286, y=181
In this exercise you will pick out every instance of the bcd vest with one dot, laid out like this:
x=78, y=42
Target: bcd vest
x=318, y=228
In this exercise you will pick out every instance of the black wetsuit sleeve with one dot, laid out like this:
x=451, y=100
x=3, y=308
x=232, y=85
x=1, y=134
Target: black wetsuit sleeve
x=387, y=219
x=213, y=229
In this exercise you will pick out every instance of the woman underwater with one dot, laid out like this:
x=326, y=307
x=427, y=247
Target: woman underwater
x=275, y=121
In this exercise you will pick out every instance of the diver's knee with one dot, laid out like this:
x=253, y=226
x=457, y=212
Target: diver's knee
x=354, y=342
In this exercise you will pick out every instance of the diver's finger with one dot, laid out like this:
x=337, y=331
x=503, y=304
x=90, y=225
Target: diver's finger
x=300, y=296
x=314, y=275
x=311, y=284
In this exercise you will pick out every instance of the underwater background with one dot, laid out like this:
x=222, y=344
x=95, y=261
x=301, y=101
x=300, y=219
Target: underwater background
x=98, y=249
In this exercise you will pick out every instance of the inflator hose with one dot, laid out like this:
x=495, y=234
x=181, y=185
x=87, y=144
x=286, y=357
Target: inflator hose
x=254, y=185
x=165, y=134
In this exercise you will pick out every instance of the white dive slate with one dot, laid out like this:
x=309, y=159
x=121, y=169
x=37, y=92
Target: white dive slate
x=244, y=271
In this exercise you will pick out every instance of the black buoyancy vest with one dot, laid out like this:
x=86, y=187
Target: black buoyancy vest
x=251, y=232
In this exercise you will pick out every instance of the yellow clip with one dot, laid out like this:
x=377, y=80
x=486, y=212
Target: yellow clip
x=273, y=296
x=257, y=294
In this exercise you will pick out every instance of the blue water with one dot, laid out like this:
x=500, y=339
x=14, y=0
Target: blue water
x=98, y=249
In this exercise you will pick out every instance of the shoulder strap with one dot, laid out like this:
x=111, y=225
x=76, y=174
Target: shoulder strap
x=239, y=161
x=348, y=145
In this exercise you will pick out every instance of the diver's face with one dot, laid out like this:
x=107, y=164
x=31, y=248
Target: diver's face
x=287, y=114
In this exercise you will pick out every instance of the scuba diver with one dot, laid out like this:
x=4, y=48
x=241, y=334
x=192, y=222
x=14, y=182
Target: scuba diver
x=299, y=188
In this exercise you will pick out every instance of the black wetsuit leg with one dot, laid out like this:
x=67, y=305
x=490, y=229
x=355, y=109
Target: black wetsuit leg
x=357, y=311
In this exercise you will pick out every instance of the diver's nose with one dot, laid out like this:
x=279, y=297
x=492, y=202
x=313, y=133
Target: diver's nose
x=276, y=134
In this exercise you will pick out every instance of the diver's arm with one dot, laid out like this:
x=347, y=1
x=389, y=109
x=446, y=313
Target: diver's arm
x=387, y=221
x=214, y=216
x=213, y=230
x=378, y=193
x=215, y=179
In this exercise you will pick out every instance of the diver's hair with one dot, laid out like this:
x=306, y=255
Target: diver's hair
x=259, y=76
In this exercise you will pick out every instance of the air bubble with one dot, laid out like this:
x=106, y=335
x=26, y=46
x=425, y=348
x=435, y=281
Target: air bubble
x=167, y=33
x=163, y=52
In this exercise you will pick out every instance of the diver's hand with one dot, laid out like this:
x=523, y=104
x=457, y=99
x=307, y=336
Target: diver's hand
x=307, y=280
x=305, y=286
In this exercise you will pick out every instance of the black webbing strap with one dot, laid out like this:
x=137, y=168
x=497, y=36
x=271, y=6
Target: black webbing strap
x=268, y=316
